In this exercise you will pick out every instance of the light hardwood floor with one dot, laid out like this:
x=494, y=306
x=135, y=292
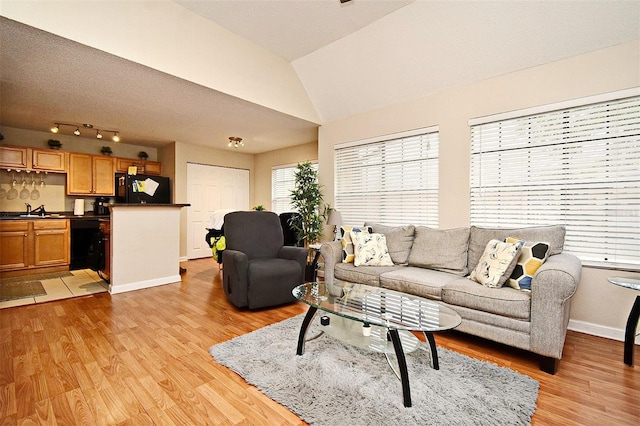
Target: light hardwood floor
x=142, y=358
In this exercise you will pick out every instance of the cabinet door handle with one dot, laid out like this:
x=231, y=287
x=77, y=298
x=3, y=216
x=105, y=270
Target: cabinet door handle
x=25, y=235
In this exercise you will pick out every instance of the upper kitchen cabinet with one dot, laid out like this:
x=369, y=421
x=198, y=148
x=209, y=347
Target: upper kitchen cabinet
x=90, y=175
x=143, y=167
x=13, y=157
x=48, y=160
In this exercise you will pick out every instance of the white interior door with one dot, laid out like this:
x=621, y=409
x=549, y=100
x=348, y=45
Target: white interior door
x=211, y=188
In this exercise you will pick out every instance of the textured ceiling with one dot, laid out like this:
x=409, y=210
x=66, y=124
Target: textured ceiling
x=293, y=28
x=350, y=58
x=47, y=79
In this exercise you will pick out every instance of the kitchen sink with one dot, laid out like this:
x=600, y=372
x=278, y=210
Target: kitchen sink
x=34, y=215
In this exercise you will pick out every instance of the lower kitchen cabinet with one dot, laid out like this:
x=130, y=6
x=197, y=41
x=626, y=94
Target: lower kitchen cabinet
x=27, y=245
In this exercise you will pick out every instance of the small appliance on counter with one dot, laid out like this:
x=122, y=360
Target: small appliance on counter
x=100, y=206
x=142, y=189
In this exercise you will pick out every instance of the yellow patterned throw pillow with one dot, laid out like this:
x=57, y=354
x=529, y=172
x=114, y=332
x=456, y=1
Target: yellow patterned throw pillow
x=496, y=263
x=347, y=244
x=531, y=258
x=370, y=249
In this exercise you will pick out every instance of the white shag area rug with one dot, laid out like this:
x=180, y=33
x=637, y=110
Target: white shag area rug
x=334, y=383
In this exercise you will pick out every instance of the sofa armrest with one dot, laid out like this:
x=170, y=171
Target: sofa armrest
x=332, y=255
x=551, y=290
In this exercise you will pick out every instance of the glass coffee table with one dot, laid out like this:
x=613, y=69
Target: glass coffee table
x=390, y=315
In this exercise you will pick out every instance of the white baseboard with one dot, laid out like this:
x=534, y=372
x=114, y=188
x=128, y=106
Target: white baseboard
x=599, y=330
x=144, y=284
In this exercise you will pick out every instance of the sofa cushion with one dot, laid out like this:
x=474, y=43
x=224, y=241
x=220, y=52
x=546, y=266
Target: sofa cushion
x=369, y=275
x=370, y=249
x=531, y=258
x=479, y=237
x=440, y=249
x=419, y=281
x=399, y=240
x=496, y=263
x=347, y=244
x=503, y=301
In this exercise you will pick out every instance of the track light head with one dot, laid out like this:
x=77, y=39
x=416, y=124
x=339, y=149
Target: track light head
x=98, y=134
x=115, y=137
x=56, y=128
x=77, y=131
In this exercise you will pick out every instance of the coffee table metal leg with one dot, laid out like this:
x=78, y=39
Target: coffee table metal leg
x=303, y=329
x=434, y=351
x=402, y=364
x=630, y=332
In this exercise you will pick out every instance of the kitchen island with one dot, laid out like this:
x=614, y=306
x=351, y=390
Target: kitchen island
x=144, y=246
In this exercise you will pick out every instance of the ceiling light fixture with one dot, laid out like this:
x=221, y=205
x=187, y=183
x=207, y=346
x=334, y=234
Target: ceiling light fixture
x=235, y=142
x=99, y=133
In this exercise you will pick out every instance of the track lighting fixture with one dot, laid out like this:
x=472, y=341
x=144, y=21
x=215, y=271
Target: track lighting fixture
x=56, y=129
x=235, y=142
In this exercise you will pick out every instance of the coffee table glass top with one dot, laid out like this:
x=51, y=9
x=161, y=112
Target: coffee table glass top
x=628, y=282
x=379, y=306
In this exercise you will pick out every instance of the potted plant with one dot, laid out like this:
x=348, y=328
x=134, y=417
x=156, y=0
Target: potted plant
x=105, y=150
x=259, y=208
x=54, y=144
x=306, y=199
x=143, y=155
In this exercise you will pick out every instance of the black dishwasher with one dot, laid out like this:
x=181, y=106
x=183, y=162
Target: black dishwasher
x=82, y=232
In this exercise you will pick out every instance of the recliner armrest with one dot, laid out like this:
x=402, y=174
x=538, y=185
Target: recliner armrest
x=299, y=254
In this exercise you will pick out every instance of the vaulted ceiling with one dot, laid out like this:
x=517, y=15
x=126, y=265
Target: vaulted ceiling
x=349, y=58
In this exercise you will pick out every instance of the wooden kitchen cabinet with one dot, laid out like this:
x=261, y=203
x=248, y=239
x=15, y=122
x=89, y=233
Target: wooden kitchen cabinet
x=48, y=160
x=144, y=167
x=90, y=175
x=14, y=157
x=14, y=253
x=51, y=239
x=27, y=245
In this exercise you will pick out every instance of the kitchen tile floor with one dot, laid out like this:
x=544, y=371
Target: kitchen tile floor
x=81, y=283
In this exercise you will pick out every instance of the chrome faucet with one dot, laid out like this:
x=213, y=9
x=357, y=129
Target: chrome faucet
x=28, y=208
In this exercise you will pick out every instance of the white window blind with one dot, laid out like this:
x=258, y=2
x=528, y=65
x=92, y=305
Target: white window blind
x=393, y=182
x=577, y=166
x=282, y=183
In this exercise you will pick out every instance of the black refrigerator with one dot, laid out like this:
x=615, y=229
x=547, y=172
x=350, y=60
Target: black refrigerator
x=142, y=189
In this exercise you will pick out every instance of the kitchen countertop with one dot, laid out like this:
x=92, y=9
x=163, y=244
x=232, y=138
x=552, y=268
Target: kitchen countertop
x=52, y=215
x=70, y=215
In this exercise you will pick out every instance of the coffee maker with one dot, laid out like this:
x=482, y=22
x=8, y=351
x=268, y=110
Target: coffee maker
x=100, y=206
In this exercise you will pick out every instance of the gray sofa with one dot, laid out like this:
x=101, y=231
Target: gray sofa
x=435, y=264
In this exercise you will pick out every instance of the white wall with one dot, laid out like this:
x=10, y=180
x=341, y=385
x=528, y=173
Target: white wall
x=598, y=307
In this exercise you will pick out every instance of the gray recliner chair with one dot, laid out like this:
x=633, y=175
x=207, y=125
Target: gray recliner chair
x=259, y=271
